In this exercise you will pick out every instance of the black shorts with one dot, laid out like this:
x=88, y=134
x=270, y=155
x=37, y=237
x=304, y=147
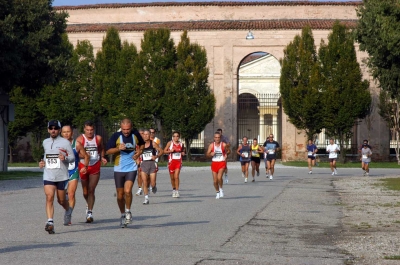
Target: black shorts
x=332, y=159
x=256, y=159
x=121, y=177
x=244, y=162
x=311, y=157
x=270, y=158
x=60, y=185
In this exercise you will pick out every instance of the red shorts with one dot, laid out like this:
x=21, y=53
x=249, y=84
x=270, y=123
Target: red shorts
x=91, y=170
x=174, y=165
x=217, y=166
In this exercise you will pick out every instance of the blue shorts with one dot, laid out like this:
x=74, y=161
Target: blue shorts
x=60, y=185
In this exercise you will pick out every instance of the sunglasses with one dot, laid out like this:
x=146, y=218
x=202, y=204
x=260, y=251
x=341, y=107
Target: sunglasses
x=54, y=128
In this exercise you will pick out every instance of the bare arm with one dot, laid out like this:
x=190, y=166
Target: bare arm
x=160, y=151
x=209, y=151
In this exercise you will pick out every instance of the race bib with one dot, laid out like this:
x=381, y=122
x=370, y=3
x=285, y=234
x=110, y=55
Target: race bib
x=71, y=166
x=92, y=152
x=254, y=153
x=52, y=161
x=310, y=153
x=332, y=155
x=176, y=155
x=365, y=156
x=271, y=151
x=245, y=154
x=147, y=156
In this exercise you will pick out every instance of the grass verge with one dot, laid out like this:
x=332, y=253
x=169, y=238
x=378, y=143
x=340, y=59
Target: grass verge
x=10, y=175
x=343, y=165
x=391, y=183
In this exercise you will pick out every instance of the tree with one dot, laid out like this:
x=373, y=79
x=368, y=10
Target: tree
x=345, y=96
x=299, y=85
x=188, y=104
x=31, y=52
x=378, y=34
x=150, y=76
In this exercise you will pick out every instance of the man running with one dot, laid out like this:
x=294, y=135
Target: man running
x=265, y=156
x=311, y=155
x=332, y=149
x=218, y=152
x=366, y=154
x=271, y=147
x=139, y=179
x=148, y=166
x=244, y=152
x=57, y=155
x=77, y=148
x=256, y=151
x=123, y=146
x=225, y=140
x=94, y=146
x=176, y=150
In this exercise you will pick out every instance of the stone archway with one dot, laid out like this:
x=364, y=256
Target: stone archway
x=259, y=107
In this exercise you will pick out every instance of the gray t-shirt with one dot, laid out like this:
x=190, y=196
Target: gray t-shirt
x=366, y=155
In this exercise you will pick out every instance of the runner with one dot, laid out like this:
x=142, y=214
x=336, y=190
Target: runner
x=243, y=151
x=157, y=141
x=271, y=147
x=225, y=140
x=57, y=155
x=218, y=151
x=332, y=149
x=94, y=146
x=176, y=150
x=77, y=148
x=311, y=155
x=149, y=166
x=123, y=146
x=365, y=159
x=139, y=179
x=265, y=157
x=256, y=150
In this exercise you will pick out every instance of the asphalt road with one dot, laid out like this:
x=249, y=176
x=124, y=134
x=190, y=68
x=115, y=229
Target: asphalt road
x=293, y=219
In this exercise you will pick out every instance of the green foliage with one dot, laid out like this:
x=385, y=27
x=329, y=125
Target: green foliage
x=345, y=96
x=299, y=85
x=189, y=104
x=150, y=76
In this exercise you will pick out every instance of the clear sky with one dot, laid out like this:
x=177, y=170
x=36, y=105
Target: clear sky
x=91, y=2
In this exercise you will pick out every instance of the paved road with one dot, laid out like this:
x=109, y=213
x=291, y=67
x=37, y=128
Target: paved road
x=293, y=219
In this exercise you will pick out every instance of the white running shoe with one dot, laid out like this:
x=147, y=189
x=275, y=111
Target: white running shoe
x=128, y=217
x=266, y=175
x=139, y=192
x=122, y=221
x=367, y=174
x=89, y=217
x=310, y=172
x=150, y=189
x=177, y=194
x=221, y=193
x=173, y=193
x=245, y=180
x=49, y=227
x=271, y=177
x=146, y=201
x=335, y=171
x=217, y=197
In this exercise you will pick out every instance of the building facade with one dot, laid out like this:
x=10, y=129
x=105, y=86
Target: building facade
x=221, y=28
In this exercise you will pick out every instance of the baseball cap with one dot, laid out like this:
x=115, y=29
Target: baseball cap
x=54, y=123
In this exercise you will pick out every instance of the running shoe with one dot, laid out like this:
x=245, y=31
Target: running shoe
x=226, y=178
x=150, y=189
x=89, y=217
x=128, y=218
x=173, y=193
x=310, y=172
x=253, y=180
x=122, y=222
x=146, y=201
x=367, y=174
x=221, y=193
x=154, y=189
x=245, y=180
x=177, y=194
x=68, y=216
x=271, y=177
x=217, y=197
x=266, y=175
x=335, y=171
x=139, y=192
x=49, y=227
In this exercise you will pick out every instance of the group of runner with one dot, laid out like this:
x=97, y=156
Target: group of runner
x=66, y=160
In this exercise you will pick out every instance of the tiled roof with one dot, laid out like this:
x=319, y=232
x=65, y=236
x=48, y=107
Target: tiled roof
x=213, y=25
x=269, y=3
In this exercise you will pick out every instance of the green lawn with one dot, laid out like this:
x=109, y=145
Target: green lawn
x=19, y=175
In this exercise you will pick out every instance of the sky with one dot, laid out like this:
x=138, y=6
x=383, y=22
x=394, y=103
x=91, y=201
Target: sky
x=92, y=2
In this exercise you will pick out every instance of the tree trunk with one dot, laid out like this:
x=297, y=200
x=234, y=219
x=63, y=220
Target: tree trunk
x=3, y=141
x=188, y=154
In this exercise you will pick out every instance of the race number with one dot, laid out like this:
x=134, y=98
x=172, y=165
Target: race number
x=52, y=161
x=176, y=155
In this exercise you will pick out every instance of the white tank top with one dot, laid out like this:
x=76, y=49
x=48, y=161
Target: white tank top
x=92, y=149
x=218, y=153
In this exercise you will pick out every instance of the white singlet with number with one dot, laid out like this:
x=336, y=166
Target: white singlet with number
x=365, y=156
x=218, y=155
x=52, y=161
x=332, y=154
x=176, y=155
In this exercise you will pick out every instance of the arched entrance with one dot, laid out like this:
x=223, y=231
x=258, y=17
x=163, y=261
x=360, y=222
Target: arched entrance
x=259, y=104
